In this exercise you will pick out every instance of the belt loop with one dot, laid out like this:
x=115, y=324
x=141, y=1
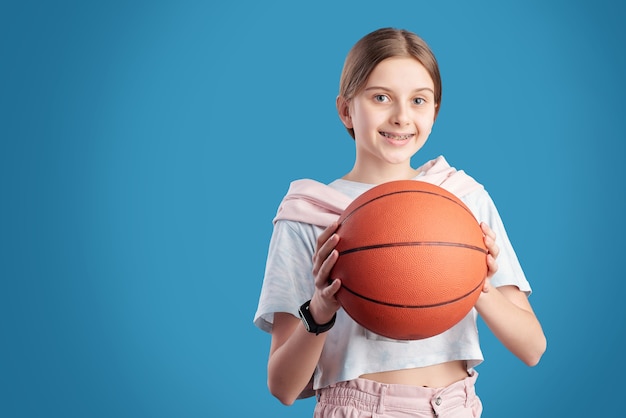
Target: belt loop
x=381, y=400
x=468, y=390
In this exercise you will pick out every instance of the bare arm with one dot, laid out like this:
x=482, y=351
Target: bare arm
x=508, y=313
x=294, y=352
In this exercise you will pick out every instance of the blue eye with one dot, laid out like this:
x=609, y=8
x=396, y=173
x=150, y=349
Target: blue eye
x=419, y=101
x=381, y=98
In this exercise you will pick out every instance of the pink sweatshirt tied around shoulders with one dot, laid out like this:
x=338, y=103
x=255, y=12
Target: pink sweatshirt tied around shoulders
x=318, y=204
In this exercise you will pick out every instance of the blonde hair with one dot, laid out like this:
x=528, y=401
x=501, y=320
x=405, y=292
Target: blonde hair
x=377, y=46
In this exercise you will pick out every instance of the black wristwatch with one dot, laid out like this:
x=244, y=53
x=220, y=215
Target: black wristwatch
x=309, y=322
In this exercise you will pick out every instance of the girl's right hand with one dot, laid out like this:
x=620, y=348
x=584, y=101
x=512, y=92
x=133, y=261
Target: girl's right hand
x=323, y=303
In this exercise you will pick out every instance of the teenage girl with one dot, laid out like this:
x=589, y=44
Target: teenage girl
x=389, y=97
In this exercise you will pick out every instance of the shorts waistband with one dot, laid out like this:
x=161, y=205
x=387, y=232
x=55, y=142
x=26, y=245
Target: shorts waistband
x=374, y=396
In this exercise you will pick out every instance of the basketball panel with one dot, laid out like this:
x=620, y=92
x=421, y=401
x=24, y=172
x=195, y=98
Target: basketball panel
x=406, y=323
x=409, y=217
x=410, y=275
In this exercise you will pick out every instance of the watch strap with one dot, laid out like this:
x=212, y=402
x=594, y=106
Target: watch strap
x=310, y=324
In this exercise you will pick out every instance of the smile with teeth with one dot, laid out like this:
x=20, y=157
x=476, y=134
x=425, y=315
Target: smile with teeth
x=396, y=137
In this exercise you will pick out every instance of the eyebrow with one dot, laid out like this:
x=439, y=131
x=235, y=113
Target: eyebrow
x=417, y=90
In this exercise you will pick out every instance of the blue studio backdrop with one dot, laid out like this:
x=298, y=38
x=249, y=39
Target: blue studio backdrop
x=145, y=146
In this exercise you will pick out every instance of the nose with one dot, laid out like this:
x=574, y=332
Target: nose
x=400, y=114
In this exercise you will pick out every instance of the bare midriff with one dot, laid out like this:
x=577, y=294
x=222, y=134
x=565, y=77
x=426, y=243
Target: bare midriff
x=436, y=376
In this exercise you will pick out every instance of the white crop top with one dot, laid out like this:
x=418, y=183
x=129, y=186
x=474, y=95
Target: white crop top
x=351, y=350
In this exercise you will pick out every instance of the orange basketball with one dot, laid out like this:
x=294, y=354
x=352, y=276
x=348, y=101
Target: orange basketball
x=412, y=260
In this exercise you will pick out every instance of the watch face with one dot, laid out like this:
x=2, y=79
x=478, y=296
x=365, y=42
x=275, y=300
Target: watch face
x=306, y=324
x=303, y=311
x=307, y=318
x=309, y=323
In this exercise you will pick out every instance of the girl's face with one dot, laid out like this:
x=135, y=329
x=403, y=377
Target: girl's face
x=393, y=114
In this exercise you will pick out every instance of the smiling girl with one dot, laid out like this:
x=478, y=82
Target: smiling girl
x=390, y=94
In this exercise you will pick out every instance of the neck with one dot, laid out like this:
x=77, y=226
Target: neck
x=378, y=176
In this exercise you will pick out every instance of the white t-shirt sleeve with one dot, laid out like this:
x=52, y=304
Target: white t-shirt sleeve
x=509, y=269
x=288, y=280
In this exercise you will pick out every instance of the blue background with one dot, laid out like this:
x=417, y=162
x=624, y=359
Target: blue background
x=146, y=145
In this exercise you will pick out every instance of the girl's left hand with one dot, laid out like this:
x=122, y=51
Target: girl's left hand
x=493, y=251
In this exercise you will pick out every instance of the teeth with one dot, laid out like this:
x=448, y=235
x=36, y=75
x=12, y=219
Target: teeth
x=397, y=137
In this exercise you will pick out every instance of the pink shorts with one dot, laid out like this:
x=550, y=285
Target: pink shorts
x=360, y=398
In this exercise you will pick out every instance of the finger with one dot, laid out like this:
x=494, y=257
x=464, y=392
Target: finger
x=322, y=276
x=492, y=265
x=321, y=253
x=494, y=250
x=487, y=231
x=326, y=234
x=492, y=247
x=490, y=240
x=332, y=288
x=324, y=252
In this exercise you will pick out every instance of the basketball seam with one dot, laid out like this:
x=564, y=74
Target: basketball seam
x=405, y=191
x=400, y=305
x=413, y=244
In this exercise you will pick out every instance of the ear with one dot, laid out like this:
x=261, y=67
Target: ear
x=343, y=108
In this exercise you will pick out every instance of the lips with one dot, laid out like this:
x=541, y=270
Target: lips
x=396, y=137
